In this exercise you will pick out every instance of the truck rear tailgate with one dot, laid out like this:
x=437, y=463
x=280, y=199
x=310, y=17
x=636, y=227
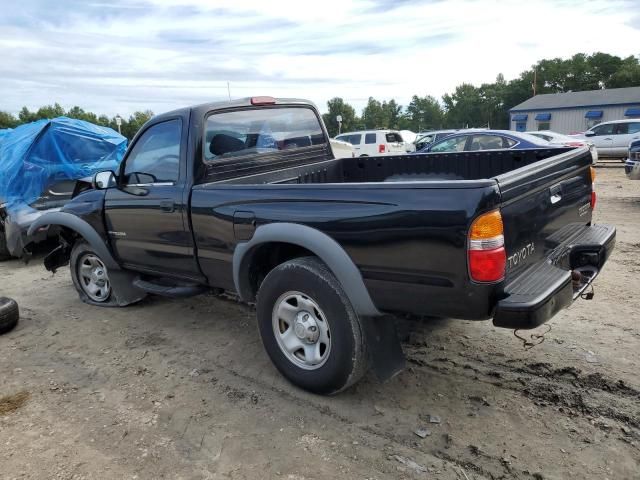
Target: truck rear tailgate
x=546, y=212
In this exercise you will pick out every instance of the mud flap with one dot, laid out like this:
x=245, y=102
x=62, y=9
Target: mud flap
x=387, y=357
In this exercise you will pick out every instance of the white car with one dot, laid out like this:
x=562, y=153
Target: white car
x=555, y=138
x=612, y=139
x=341, y=149
x=375, y=142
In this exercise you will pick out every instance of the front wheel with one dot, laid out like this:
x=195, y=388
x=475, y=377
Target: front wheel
x=309, y=328
x=90, y=275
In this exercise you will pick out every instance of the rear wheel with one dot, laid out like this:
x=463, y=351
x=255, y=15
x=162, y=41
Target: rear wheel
x=309, y=328
x=90, y=275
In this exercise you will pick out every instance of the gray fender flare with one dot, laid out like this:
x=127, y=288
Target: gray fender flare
x=323, y=246
x=81, y=227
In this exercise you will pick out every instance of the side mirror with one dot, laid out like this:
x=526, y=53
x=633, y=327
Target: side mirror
x=589, y=134
x=103, y=180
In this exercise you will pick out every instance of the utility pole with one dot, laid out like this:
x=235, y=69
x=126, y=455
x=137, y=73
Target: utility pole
x=535, y=80
x=119, y=123
x=339, y=120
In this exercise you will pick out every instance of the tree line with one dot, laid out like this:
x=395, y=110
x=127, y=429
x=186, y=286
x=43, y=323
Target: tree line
x=128, y=127
x=467, y=106
x=488, y=105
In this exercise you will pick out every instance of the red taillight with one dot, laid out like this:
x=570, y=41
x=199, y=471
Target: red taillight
x=487, y=265
x=593, y=200
x=262, y=100
x=487, y=256
x=381, y=148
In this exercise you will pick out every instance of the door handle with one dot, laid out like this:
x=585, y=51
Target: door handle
x=167, y=206
x=607, y=138
x=555, y=193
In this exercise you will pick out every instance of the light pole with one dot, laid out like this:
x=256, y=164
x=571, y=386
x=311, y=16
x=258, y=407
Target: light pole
x=119, y=123
x=339, y=120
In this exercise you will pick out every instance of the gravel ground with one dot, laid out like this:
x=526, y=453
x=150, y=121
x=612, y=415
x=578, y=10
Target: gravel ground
x=183, y=389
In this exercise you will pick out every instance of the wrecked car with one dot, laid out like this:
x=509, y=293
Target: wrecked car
x=40, y=163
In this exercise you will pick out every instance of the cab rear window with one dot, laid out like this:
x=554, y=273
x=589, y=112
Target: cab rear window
x=260, y=132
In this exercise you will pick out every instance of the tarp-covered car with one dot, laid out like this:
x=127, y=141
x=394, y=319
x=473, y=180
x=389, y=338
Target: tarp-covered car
x=40, y=163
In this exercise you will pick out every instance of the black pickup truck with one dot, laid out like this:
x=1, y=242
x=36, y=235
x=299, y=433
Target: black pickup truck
x=246, y=197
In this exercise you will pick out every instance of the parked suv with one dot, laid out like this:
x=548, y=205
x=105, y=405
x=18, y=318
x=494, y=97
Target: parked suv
x=375, y=142
x=612, y=139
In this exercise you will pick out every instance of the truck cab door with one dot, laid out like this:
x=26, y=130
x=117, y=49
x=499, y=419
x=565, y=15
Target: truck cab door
x=603, y=138
x=147, y=215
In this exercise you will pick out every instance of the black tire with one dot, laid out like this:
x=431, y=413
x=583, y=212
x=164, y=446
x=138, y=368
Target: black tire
x=4, y=251
x=80, y=250
x=347, y=358
x=9, y=314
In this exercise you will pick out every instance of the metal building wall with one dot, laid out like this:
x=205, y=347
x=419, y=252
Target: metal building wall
x=573, y=120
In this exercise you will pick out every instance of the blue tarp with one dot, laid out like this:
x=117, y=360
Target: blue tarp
x=3, y=132
x=34, y=155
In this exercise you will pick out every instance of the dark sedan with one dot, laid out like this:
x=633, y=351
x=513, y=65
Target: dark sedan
x=474, y=140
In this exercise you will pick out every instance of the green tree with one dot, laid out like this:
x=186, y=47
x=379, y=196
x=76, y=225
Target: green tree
x=423, y=113
x=628, y=75
x=133, y=124
x=50, y=111
x=337, y=106
x=7, y=120
x=79, y=114
x=391, y=114
x=26, y=116
x=464, y=107
x=373, y=116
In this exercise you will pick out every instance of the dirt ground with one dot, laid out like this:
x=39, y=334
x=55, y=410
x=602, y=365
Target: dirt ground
x=183, y=389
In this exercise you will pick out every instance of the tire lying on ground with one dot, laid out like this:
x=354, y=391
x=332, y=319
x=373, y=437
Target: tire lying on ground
x=9, y=314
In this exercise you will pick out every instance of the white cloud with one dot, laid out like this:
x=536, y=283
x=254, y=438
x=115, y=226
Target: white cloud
x=162, y=54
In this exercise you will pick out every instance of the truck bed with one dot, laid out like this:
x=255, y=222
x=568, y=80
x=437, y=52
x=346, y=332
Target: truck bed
x=403, y=219
x=396, y=168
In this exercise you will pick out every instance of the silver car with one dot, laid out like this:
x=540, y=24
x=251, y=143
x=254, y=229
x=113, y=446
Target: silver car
x=555, y=138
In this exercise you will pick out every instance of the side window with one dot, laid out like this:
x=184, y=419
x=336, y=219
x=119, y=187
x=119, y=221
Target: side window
x=485, y=142
x=634, y=127
x=155, y=157
x=355, y=139
x=603, y=129
x=263, y=131
x=393, y=137
x=370, y=138
x=455, y=144
x=509, y=142
x=621, y=129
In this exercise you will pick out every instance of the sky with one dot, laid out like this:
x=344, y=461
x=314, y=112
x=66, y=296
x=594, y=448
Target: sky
x=118, y=56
